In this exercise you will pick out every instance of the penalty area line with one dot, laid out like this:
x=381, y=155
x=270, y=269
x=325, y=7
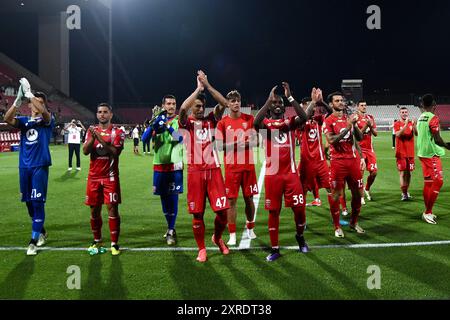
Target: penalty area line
x=332, y=246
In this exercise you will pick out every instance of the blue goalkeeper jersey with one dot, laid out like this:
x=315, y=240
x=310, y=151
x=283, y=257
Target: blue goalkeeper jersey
x=35, y=137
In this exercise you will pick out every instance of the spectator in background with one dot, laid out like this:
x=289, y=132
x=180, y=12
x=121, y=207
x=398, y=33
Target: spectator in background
x=135, y=135
x=146, y=144
x=74, y=139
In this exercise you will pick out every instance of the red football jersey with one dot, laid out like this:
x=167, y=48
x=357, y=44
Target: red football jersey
x=404, y=145
x=280, y=146
x=311, y=139
x=366, y=142
x=103, y=165
x=344, y=149
x=233, y=130
x=201, y=153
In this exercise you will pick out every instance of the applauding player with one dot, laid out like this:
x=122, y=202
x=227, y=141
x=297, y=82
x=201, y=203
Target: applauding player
x=237, y=137
x=346, y=161
x=366, y=123
x=204, y=175
x=104, y=143
x=281, y=172
x=34, y=158
x=167, y=163
x=405, y=129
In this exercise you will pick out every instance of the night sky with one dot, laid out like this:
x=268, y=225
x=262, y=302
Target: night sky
x=249, y=45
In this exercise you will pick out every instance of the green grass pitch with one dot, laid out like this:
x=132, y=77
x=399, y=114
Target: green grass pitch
x=410, y=272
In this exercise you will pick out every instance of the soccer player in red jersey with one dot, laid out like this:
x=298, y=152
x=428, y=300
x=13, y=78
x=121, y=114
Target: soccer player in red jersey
x=204, y=175
x=366, y=123
x=281, y=177
x=104, y=143
x=313, y=168
x=405, y=129
x=346, y=161
x=310, y=137
x=237, y=137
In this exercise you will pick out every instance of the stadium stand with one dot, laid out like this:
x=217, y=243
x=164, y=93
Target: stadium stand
x=443, y=112
x=11, y=72
x=133, y=115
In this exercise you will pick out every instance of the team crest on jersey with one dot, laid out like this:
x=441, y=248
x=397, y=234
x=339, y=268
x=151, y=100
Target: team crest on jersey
x=202, y=134
x=100, y=150
x=245, y=125
x=281, y=138
x=229, y=128
x=32, y=135
x=347, y=136
x=312, y=134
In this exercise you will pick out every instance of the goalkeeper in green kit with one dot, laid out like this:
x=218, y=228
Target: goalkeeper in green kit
x=167, y=162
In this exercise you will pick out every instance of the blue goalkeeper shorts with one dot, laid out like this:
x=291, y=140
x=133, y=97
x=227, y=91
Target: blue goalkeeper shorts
x=166, y=183
x=33, y=183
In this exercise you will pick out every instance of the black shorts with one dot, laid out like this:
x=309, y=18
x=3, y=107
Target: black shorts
x=136, y=142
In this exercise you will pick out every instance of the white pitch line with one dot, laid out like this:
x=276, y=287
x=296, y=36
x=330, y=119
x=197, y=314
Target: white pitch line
x=245, y=240
x=332, y=246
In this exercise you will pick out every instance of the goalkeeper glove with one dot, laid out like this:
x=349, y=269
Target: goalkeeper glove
x=26, y=88
x=18, y=100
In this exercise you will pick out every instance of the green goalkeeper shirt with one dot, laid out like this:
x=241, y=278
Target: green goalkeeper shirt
x=168, y=153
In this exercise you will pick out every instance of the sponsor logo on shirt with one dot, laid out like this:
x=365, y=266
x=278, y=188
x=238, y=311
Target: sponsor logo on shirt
x=32, y=135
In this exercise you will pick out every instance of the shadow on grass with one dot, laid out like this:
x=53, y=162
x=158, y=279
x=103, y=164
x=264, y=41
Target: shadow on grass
x=93, y=289
x=291, y=280
x=195, y=280
x=68, y=175
x=115, y=287
x=16, y=282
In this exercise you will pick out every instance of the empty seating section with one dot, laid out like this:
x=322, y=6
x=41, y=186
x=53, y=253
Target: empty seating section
x=133, y=115
x=443, y=112
x=9, y=139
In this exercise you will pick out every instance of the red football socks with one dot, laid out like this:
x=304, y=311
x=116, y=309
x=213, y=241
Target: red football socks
x=274, y=223
x=198, y=227
x=114, y=228
x=220, y=223
x=334, y=210
x=300, y=219
x=96, y=227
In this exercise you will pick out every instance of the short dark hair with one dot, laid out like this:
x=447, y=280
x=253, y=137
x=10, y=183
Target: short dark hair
x=104, y=104
x=361, y=101
x=42, y=95
x=403, y=108
x=306, y=100
x=234, y=94
x=202, y=97
x=428, y=100
x=331, y=95
x=168, y=96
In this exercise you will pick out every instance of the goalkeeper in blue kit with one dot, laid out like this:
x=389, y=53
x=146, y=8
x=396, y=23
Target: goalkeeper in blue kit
x=34, y=157
x=167, y=162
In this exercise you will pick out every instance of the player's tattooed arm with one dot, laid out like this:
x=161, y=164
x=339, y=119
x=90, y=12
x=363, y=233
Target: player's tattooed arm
x=316, y=97
x=362, y=164
x=221, y=101
x=189, y=102
x=262, y=113
x=10, y=116
x=356, y=131
x=89, y=143
x=335, y=138
x=301, y=115
x=110, y=149
x=370, y=125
